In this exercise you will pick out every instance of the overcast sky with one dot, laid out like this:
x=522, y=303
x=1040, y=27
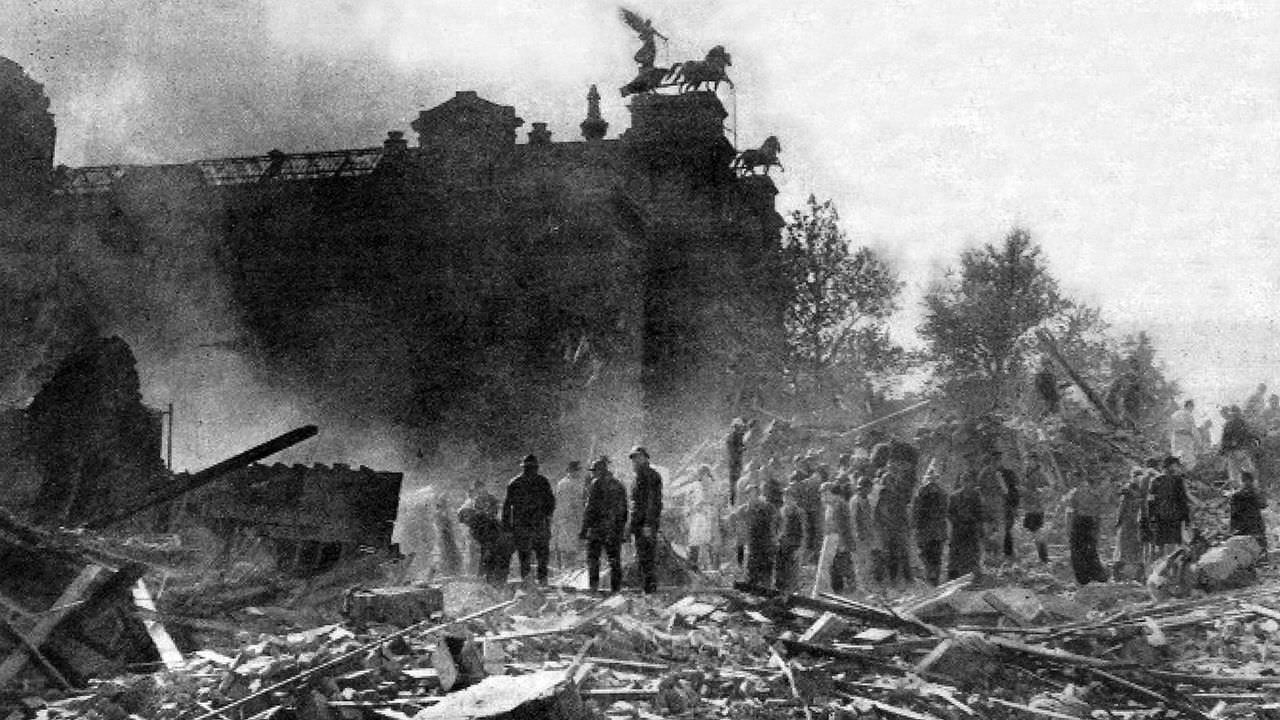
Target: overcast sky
x=1138, y=141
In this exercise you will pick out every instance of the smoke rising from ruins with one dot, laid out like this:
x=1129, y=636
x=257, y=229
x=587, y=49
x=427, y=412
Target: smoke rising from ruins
x=923, y=151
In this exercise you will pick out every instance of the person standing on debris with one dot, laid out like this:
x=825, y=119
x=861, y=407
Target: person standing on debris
x=646, y=515
x=570, y=498
x=866, y=536
x=735, y=449
x=1127, y=562
x=1170, y=507
x=991, y=485
x=1246, y=512
x=1046, y=385
x=604, y=524
x=703, y=518
x=786, y=569
x=527, y=512
x=893, y=512
x=967, y=516
x=1238, y=443
x=929, y=515
x=1033, y=507
x=1182, y=434
x=1008, y=481
x=760, y=520
x=483, y=502
x=1085, y=505
x=834, y=562
x=806, y=480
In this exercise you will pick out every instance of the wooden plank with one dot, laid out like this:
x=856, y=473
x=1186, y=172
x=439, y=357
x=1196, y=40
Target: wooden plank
x=38, y=656
x=44, y=627
x=170, y=655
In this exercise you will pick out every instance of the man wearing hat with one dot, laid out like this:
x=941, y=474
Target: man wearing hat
x=929, y=512
x=526, y=512
x=646, y=511
x=570, y=496
x=604, y=523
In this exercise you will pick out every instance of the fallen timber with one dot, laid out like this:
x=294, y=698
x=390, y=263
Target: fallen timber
x=209, y=474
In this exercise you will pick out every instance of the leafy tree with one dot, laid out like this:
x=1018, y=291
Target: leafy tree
x=978, y=319
x=1140, y=393
x=841, y=298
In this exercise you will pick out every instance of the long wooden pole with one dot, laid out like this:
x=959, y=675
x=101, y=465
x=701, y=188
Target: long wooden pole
x=1051, y=346
x=885, y=418
x=417, y=628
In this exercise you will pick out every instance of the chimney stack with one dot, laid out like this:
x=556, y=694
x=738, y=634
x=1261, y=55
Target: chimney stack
x=539, y=135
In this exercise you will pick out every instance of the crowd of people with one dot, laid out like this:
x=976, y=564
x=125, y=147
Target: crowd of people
x=535, y=521
x=867, y=521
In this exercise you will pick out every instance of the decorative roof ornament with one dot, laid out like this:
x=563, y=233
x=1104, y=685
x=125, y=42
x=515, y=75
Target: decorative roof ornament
x=595, y=126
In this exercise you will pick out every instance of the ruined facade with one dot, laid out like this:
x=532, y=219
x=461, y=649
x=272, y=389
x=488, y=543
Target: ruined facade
x=27, y=134
x=314, y=516
x=530, y=291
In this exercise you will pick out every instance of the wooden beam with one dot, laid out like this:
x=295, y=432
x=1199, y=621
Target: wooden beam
x=1051, y=346
x=38, y=656
x=44, y=627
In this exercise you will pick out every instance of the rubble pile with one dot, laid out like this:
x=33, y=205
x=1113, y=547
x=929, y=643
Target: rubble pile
x=965, y=649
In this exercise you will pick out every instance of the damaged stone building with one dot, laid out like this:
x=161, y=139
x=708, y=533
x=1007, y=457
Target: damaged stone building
x=536, y=292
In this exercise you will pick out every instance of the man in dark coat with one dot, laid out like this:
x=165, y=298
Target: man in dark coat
x=759, y=520
x=1009, y=481
x=526, y=512
x=1246, y=512
x=646, y=513
x=806, y=481
x=930, y=516
x=893, y=513
x=1170, y=506
x=786, y=569
x=604, y=524
x=1085, y=506
x=1237, y=445
x=967, y=514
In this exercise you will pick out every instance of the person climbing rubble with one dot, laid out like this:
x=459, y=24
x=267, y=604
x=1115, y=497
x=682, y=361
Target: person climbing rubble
x=604, y=523
x=1237, y=445
x=1246, y=512
x=491, y=539
x=481, y=501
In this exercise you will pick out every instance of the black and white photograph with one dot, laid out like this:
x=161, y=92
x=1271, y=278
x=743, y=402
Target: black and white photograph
x=702, y=359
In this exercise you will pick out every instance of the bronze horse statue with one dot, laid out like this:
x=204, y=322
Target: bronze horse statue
x=765, y=156
x=692, y=74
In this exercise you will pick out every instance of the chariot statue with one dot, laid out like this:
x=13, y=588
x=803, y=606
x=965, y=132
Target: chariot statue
x=765, y=156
